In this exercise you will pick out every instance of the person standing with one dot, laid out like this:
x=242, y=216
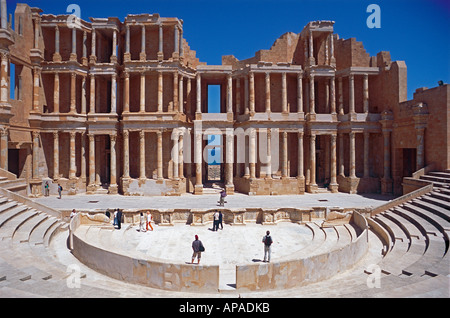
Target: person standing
x=47, y=190
x=216, y=221
x=267, y=240
x=59, y=190
x=149, y=221
x=119, y=219
x=198, y=248
x=142, y=223
x=220, y=220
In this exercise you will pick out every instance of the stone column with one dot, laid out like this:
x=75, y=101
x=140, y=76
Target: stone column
x=91, y=185
x=300, y=163
x=4, y=149
x=341, y=155
x=160, y=50
x=113, y=188
x=300, y=93
x=366, y=93
x=92, y=97
x=72, y=167
x=198, y=162
x=57, y=55
x=311, y=51
x=143, y=55
x=199, y=94
x=113, y=94
x=4, y=82
x=332, y=58
x=181, y=155
x=252, y=153
x=127, y=42
x=284, y=162
x=229, y=94
x=142, y=94
x=175, y=154
x=420, y=156
x=160, y=92
x=55, y=155
x=181, y=43
x=126, y=92
x=188, y=95
x=366, y=154
x=284, y=106
x=93, y=57
x=83, y=95
x=159, y=155
x=351, y=85
x=352, y=136
x=229, y=185
x=142, y=175
x=36, y=88
x=176, y=41
x=238, y=96
x=333, y=95
x=83, y=157
x=246, y=95
x=35, y=154
x=333, y=182
x=247, y=156
x=73, y=82
x=312, y=153
x=73, y=55
x=126, y=154
x=341, y=96
x=269, y=154
x=267, y=99
x=252, y=92
x=56, y=94
x=386, y=181
x=181, y=95
x=114, y=47
x=175, y=93
x=312, y=102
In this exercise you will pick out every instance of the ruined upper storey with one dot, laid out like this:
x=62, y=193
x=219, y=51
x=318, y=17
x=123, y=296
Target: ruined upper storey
x=143, y=37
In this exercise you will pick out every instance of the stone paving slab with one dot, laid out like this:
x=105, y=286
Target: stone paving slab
x=93, y=202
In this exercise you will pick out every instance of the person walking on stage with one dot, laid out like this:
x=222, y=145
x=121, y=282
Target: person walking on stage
x=198, y=248
x=267, y=240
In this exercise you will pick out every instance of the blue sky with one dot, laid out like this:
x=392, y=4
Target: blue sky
x=416, y=31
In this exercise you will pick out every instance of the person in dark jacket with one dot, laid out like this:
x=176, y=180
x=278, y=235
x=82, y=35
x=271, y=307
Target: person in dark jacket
x=197, y=247
x=119, y=218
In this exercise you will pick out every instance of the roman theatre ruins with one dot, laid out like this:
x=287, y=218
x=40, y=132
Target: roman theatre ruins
x=313, y=138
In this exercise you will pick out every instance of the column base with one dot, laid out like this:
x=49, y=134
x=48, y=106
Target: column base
x=160, y=56
x=142, y=57
x=333, y=187
x=91, y=188
x=229, y=188
x=126, y=57
x=72, y=185
x=198, y=189
x=113, y=189
x=57, y=57
x=311, y=188
x=73, y=57
x=36, y=188
x=386, y=186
